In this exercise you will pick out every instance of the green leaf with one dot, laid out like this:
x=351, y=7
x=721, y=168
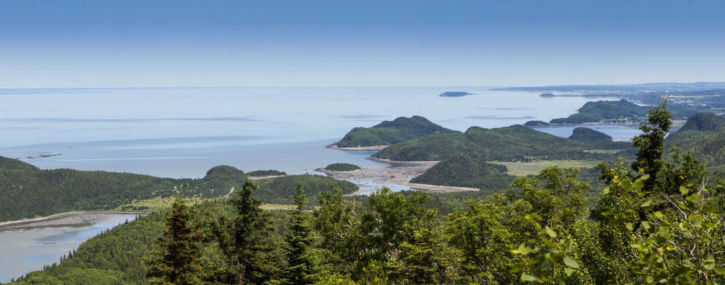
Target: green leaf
x=569, y=271
x=646, y=204
x=645, y=225
x=521, y=250
x=528, y=278
x=550, y=232
x=629, y=226
x=605, y=191
x=570, y=262
x=639, y=184
x=684, y=190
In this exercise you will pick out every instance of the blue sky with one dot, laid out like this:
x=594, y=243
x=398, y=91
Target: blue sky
x=74, y=43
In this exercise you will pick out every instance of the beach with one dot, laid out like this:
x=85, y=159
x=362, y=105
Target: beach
x=399, y=173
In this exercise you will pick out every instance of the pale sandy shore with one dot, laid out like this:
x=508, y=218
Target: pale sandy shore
x=265, y=177
x=359, y=148
x=399, y=173
x=63, y=219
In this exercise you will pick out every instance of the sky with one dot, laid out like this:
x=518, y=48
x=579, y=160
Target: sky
x=170, y=43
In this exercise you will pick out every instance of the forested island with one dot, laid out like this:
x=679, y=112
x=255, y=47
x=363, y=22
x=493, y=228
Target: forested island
x=455, y=94
x=26, y=191
x=508, y=144
x=342, y=167
x=390, y=132
x=659, y=219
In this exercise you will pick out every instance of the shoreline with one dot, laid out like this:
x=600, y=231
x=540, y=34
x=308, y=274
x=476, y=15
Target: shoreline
x=399, y=173
x=266, y=177
x=634, y=125
x=73, y=218
x=359, y=148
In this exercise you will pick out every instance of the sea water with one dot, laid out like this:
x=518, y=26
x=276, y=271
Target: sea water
x=25, y=250
x=182, y=132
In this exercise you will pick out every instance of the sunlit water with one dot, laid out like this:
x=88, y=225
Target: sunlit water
x=25, y=250
x=182, y=132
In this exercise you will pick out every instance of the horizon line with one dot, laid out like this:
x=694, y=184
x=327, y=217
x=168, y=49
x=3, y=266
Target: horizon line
x=368, y=86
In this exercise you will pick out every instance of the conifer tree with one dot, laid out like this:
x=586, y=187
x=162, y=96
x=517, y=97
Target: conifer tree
x=177, y=261
x=250, y=245
x=651, y=144
x=301, y=264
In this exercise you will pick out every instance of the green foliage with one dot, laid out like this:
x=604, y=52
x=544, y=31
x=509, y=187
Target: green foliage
x=26, y=191
x=465, y=171
x=589, y=135
x=658, y=224
x=263, y=173
x=536, y=123
x=342, y=167
x=514, y=143
x=703, y=135
x=252, y=256
x=112, y=257
x=177, y=261
x=14, y=164
x=301, y=264
x=513, y=237
x=703, y=122
x=282, y=190
x=391, y=132
x=601, y=111
x=651, y=144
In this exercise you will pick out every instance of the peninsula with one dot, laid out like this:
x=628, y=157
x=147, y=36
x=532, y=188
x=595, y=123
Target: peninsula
x=389, y=132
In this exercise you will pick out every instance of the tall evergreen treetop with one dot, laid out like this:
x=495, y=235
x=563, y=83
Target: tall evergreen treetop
x=651, y=144
x=301, y=265
x=177, y=261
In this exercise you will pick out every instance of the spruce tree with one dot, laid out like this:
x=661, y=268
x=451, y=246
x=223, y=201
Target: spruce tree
x=250, y=246
x=651, y=144
x=177, y=260
x=301, y=264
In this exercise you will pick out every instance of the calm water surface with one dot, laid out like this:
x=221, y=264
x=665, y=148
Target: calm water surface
x=25, y=250
x=182, y=132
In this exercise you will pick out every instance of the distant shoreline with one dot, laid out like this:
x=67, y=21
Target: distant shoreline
x=359, y=148
x=676, y=124
x=400, y=173
x=68, y=219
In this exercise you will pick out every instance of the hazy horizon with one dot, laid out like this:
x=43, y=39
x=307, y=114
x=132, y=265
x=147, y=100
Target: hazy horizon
x=79, y=44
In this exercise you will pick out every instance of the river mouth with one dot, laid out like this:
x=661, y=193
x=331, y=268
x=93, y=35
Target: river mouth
x=29, y=245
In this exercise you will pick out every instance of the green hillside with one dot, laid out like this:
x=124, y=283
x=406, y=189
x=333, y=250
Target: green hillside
x=26, y=191
x=704, y=136
x=600, y=111
x=465, y=171
x=588, y=135
x=504, y=144
x=621, y=111
x=391, y=132
x=342, y=167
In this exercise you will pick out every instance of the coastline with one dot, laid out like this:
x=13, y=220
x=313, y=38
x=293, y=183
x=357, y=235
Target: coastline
x=75, y=218
x=399, y=173
x=265, y=177
x=359, y=148
x=676, y=124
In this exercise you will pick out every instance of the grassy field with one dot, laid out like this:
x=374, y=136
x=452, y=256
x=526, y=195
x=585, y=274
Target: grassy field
x=277, y=207
x=533, y=167
x=603, y=151
x=149, y=205
x=153, y=204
